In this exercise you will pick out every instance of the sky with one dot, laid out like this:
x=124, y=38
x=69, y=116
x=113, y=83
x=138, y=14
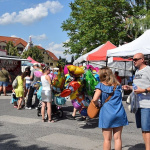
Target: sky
x=40, y=19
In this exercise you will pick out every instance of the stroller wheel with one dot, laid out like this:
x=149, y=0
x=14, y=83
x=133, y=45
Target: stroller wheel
x=60, y=113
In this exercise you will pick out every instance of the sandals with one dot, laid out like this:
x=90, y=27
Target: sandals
x=51, y=121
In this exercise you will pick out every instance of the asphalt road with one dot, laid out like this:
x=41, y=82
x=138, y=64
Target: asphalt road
x=24, y=130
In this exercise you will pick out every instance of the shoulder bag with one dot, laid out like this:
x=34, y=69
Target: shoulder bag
x=93, y=110
x=15, y=83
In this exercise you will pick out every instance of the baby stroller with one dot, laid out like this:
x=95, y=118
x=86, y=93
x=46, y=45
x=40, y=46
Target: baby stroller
x=56, y=105
x=56, y=110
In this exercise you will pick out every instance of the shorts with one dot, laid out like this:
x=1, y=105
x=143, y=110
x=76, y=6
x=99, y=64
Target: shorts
x=3, y=83
x=142, y=119
x=28, y=85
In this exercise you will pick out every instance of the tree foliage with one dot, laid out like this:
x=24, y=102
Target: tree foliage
x=139, y=21
x=61, y=62
x=11, y=49
x=93, y=22
x=35, y=53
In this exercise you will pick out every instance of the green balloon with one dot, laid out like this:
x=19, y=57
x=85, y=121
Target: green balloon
x=90, y=82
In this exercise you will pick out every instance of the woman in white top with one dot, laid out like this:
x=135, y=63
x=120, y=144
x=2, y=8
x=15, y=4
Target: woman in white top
x=28, y=81
x=46, y=94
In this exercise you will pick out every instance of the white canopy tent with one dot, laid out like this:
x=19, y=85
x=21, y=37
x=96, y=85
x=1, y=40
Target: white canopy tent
x=124, y=68
x=139, y=45
x=84, y=57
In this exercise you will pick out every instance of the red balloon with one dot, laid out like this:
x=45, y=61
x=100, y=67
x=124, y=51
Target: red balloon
x=65, y=93
x=74, y=84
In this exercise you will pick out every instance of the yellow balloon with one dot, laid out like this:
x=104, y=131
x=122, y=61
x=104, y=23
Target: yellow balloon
x=78, y=71
x=74, y=95
x=71, y=68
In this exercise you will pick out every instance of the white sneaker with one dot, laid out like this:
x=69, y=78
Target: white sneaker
x=36, y=108
x=28, y=108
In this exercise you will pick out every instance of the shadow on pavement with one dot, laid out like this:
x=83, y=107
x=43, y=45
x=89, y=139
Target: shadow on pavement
x=139, y=146
x=90, y=123
x=7, y=143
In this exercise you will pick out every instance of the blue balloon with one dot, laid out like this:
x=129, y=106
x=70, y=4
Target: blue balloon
x=97, y=77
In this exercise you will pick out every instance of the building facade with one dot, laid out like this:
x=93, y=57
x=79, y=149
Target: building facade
x=18, y=42
x=49, y=58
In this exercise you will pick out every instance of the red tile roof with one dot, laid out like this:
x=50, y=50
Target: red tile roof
x=52, y=55
x=39, y=47
x=15, y=40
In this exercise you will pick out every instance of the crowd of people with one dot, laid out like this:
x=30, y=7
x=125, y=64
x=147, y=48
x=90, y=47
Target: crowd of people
x=112, y=116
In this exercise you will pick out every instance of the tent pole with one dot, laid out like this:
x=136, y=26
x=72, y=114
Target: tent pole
x=125, y=73
x=106, y=61
x=132, y=71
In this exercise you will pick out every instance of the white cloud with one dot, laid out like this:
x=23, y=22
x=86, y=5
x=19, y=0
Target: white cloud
x=39, y=37
x=13, y=36
x=31, y=15
x=58, y=50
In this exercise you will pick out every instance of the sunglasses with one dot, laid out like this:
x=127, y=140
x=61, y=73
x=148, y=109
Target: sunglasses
x=136, y=59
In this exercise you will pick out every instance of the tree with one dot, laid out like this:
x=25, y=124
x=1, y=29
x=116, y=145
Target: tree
x=11, y=49
x=61, y=62
x=93, y=22
x=139, y=21
x=35, y=53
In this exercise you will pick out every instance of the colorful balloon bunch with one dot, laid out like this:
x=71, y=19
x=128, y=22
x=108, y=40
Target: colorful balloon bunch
x=76, y=82
x=58, y=80
x=75, y=88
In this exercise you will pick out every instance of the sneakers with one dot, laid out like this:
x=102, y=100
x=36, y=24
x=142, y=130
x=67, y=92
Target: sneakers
x=81, y=119
x=36, y=108
x=29, y=108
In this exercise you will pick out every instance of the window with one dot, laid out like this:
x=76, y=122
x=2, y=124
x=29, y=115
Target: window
x=4, y=47
x=20, y=49
x=47, y=64
x=51, y=64
x=48, y=58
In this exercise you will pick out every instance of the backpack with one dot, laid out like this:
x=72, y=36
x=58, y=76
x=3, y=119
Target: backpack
x=15, y=83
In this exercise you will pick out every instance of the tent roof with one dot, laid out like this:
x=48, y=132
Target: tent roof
x=84, y=57
x=32, y=60
x=8, y=57
x=101, y=53
x=139, y=45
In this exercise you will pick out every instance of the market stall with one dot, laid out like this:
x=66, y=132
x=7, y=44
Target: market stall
x=13, y=66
